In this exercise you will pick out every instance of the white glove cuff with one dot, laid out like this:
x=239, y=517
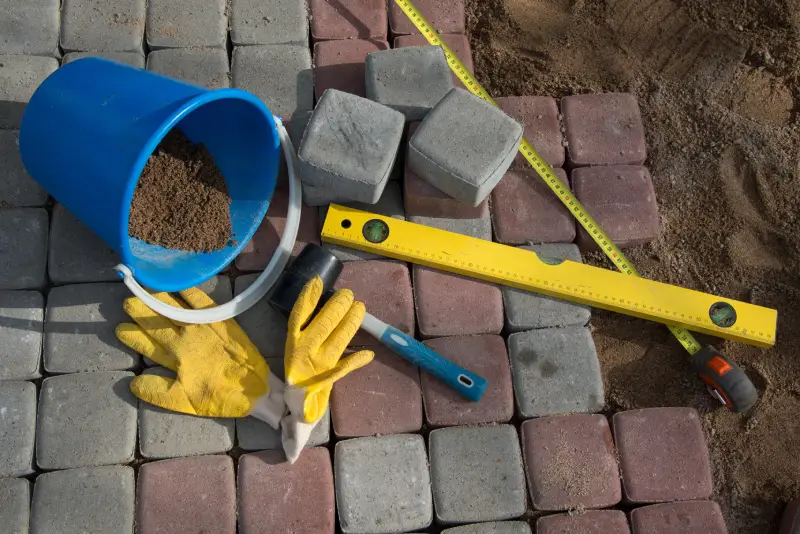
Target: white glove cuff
x=295, y=433
x=271, y=407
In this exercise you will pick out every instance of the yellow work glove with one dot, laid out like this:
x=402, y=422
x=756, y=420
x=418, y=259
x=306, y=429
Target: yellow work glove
x=313, y=359
x=220, y=373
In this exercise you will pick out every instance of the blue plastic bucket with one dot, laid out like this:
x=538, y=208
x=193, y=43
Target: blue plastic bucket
x=90, y=128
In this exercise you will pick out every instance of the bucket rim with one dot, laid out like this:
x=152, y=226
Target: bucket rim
x=188, y=107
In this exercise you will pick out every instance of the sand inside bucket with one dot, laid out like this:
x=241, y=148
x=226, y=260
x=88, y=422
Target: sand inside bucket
x=181, y=200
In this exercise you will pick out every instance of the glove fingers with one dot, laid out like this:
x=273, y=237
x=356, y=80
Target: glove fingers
x=336, y=343
x=316, y=404
x=134, y=337
x=306, y=303
x=345, y=365
x=162, y=391
x=328, y=319
x=228, y=329
x=161, y=329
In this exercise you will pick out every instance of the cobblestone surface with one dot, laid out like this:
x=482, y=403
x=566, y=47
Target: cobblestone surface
x=17, y=428
x=19, y=78
x=93, y=499
x=79, y=329
x=15, y=494
x=187, y=495
x=382, y=484
x=17, y=188
x=60, y=301
x=663, y=455
x=23, y=254
x=21, y=324
x=30, y=27
x=381, y=398
x=207, y=67
x=102, y=25
x=86, y=419
x=476, y=474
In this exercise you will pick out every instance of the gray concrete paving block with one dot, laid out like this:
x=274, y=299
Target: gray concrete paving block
x=29, y=27
x=350, y=146
x=526, y=310
x=410, y=80
x=555, y=371
x=17, y=188
x=102, y=25
x=382, y=484
x=134, y=59
x=94, y=499
x=76, y=253
x=464, y=146
x=86, y=419
x=297, y=127
x=21, y=325
x=168, y=434
x=480, y=228
x=259, y=22
x=17, y=427
x=280, y=75
x=218, y=288
x=477, y=474
x=390, y=205
x=263, y=324
x=19, y=78
x=23, y=248
x=79, y=329
x=186, y=23
x=256, y=435
x=15, y=494
x=207, y=67
x=494, y=527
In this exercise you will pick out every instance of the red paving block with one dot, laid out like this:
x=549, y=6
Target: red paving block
x=340, y=65
x=622, y=200
x=456, y=42
x=276, y=496
x=539, y=118
x=385, y=289
x=454, y=305
x=790, y=524
x=591, y=522
x=424, y=200
x=570, y=462
x=524, y=210
x=383, y=397
x=348, y=19
x=679, y=518
x=604, y=129
x=483, y=355
x=446, y=16
x=259, y=250
x=663, y=455
x=187, y=495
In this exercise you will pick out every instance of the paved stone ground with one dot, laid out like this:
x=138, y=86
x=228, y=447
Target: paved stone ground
x=78, y=453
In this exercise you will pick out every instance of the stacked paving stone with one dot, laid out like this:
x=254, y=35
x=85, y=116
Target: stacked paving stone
x=398, y=451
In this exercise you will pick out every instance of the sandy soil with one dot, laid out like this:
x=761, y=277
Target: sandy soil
x=718, y=82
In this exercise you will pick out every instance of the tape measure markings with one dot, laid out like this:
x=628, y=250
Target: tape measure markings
x=563, y=192
x=576, y=282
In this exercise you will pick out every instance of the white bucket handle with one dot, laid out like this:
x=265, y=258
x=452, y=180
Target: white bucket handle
x=265, y=280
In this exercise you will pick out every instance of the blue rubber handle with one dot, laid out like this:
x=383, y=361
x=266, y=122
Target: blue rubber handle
x=465, y=382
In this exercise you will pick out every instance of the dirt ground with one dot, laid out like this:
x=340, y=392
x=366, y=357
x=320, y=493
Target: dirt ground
x=718, y=82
